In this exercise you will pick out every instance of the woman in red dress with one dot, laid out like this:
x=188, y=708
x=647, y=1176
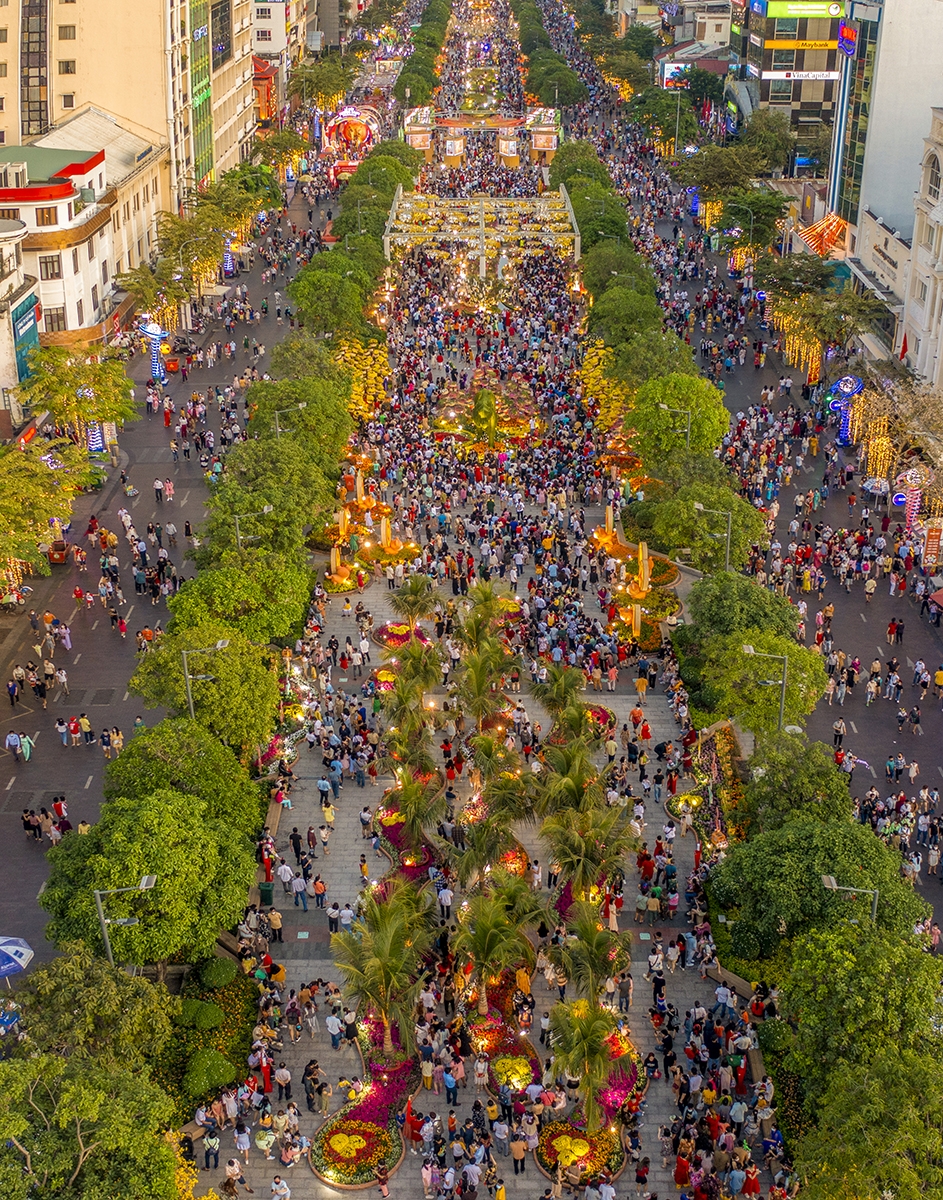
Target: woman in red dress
x=751, y=1185
x=682, y=1172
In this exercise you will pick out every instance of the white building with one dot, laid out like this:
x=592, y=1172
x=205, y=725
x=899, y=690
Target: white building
x=923, y=308
x=279, y=34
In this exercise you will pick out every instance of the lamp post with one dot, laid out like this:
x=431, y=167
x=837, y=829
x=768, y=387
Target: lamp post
x=780, y=683
x=719, y=512
x=278, y=412
x=831, y=884
x=145, y=885
x=188, y=678
x=252, y=537
x=681, y=412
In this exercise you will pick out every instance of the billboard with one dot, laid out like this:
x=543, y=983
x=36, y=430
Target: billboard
x=819, y=75
x=801, y=8
x=675, y=74
x=793, y=44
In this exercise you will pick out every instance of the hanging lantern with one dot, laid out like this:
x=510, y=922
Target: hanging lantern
x=913, y=481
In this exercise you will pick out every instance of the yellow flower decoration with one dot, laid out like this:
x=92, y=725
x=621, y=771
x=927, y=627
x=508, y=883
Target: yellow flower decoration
x=393, y=818
x=514, y=1070
x=569, y=1150
x=347, y=1145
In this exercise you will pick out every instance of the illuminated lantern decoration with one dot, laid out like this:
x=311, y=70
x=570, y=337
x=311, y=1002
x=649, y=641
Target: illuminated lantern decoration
x=913, y=480
x=151, y=332
x=843, y=393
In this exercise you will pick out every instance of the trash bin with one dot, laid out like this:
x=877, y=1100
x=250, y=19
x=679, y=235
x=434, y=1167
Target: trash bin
x=58, y=552
x=266, y=894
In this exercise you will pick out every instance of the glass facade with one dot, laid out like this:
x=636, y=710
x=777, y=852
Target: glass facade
x=34, y=68
x=201, y=92
x=221, y=31
x=856, y=129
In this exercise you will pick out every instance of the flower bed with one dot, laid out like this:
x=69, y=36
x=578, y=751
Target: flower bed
x=593, y=1152
x=511, y=1057
x=395, y=634
x=717, y=793
x=409, y=862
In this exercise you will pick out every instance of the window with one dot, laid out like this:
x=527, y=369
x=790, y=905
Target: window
x=3, y=34
x=920, y=291
x=784, y=60
x=47, y=216
x=104, y=272
x=137, y=201
x=263, y=35
x=147, y=192
x=66, y=33
x=66, y=66
x=68, y=100
x=933, y=177
x=780, y=91
x=3, y=70
x=95, y=295
x=80, y=312
x=9, y=214
x=2, y=103
x=75, y=262
x=126, y=211
x=264, y=14
x=221, y=32
x=54, y=319
x=118, y=267
x=50, y=266
x=787, y=27
x=91, y=249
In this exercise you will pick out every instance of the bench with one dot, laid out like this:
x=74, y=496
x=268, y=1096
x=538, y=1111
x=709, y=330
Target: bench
x=195, y=1131
x=721, y=975
x=756, y=1065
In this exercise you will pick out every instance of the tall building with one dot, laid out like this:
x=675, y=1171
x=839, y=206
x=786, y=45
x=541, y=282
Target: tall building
x=922, y=342
x=279, y=36
x=786, y=55
x=174, y=72
x=894, y=78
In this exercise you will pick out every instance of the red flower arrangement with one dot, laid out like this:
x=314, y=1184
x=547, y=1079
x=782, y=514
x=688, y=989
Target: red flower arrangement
x=397, y=633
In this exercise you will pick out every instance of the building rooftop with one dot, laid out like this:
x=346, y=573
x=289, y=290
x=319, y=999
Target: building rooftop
x=94, y=130
x=47, y=164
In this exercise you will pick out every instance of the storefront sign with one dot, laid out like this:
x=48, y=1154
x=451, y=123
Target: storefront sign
x=25, y=334
x=848, y=37
x=803, y=8
x=792, y=44
x=819, y=75
x=544, y=141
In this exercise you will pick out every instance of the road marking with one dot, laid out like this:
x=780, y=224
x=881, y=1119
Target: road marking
x=129, y=612
x=880, y=651
x=863, y=617
x=36, y=735
x=125, y=696
x=88, y=782
x=185, y=497
x=873, y=772
x=95, y=626
x=42, y=889
x=910, y=663
x=13, y=780
x=940, y=769
x=72, y=615
x=854, y=727
x=76, y=659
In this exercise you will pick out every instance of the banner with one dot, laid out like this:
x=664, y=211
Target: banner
x=931, y=543
x=801, y=8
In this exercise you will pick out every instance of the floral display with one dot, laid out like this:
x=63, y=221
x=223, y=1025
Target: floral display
x=499, y=1036
x=718, y=791
x=397, y=633
x=593, y=1152
x=352, y=1150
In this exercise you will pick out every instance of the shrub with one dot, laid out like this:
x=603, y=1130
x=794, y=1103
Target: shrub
x=745, y=940
x=198, y=1014
x=217, y=972
x=206, y=1071
x=775, y=1037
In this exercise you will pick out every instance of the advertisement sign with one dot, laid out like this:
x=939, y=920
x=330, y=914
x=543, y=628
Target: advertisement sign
x=931, y=543
x=507, y=147
x=544, y=141
x=758, y=6
x=674, y=74
x=25, y=334
x=793, y=44
x=848, y=37
x=420, y=141
x=754, y=70
x=801, y=75
x=454, y=147
x=803, y=8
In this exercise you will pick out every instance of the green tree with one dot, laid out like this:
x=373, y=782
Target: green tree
x=766, y=208
x=421, y=805
x=383, y=172
x=79, y=1129
x=303, y=353
x=629, y=68
x=485, y=842
x=315, y=408
x=650, y=354
x=719, y=170
x=621, y=312
x=578, y=158
x=480, y=672
x=156, y=289
x=37, y=488
x=561, y=687
x=266, y=599
x=280, y=149
x=641, y=40
x=681, y=468
x=727, y=602
x=678, y=523
x=581, y=1051
x=774, y=881
x=380, y=959
x=610, y=264
x=819, y=148
x=658, y=113
x=414, y=601
x=234, y=690
x=793, y=274
x=202, y=876
x=588, y=846
x=704, y=85
x=599, y=212
x=660, y=431
x=327, y=303
x=320, y=82
x=748, y=686
x=837, y=318
x=878, y=1131
x=409, y=157
x=80, y=1006
x=793, y=779
x=770, y=133
x=854, y=991
x=489, y=941
x=75, y=388
x=181, y=755
x=571, y=781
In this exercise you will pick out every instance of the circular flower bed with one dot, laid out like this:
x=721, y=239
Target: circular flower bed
x=592, y=1152
x=349, y=1151
x=396, y=633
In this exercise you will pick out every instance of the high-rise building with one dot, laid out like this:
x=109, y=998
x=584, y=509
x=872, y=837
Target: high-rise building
x=279, y=36
x=894, y=78
x=174, y=72
x=786, y=55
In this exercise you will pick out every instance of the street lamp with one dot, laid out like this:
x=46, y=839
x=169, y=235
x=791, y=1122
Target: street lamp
x=681, y=412
x=780, y=683
x=252, y=537
x=617, y=237
x=830, y=884
x=147, y=882
x=718, y=512
x=278, y=412
x=188, y=678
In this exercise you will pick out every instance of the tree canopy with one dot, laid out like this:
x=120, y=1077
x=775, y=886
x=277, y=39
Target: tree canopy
x=793, y=779
x=677, y=523
x=266, y=598
x=726, y=602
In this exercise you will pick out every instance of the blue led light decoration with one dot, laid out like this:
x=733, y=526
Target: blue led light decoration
x=152, y=333
x=843, y=393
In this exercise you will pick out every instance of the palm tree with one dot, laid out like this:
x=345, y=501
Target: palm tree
x=572, y=782
x=588, y=846
x=381, y=960
x=522, y=904
x=579, y=1031
x=479, y=693
x=402, y=704
x=485, y=842
x=593, y=954
x=561, y=689
x=416, y=663
x=414, y=600
x=421, y=805
x=575, y=722
x=490, y=942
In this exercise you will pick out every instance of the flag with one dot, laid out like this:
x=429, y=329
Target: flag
x=903, y=348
